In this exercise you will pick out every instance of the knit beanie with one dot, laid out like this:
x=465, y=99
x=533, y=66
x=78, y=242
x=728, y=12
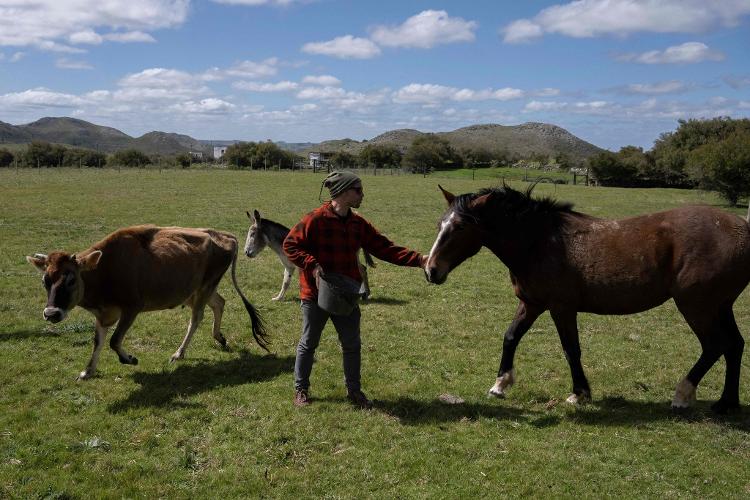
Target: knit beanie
x=338, y=182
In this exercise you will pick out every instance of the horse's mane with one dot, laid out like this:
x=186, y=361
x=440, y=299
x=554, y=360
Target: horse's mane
x=506, y=203
x=274, y=224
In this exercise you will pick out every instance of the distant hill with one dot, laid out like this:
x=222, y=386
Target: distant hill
x=82, y=134
x=522, y=140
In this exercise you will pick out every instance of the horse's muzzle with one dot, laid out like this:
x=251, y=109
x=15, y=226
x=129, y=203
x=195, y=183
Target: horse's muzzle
x=53, y=314
x=434, y=276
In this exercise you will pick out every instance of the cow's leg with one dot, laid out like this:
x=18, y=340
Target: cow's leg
x=99, y=335
x=216, y=303
x=732, y=345
x=567, y=329
x=288, y=272
x=195, y=320
x=522, y=321
x=365, y=280
x=705, y=325
x=126, y=321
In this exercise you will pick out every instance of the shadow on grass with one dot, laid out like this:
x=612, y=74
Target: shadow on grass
x=28, y=333
x=415, y=412
x=620, y=411
x=168, y=387
x=386, y=301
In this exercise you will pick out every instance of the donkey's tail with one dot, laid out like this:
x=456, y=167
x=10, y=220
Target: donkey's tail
x=368, y=259
x=258, y=326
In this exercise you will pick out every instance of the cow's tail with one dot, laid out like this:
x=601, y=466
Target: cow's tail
x=258, y=326
x=368, y=259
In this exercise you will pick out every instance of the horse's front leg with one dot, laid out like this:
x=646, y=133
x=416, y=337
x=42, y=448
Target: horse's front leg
x=567, y=329
x=506, y=374
x=288, y=272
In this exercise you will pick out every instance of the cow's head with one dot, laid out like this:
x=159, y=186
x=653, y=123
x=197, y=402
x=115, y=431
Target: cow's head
x=61, y=276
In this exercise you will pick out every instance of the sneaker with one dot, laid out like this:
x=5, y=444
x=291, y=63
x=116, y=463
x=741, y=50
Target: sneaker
x=358, y=398
x=301, y=398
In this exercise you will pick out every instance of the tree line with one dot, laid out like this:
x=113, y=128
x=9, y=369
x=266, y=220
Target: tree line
x=711, y=154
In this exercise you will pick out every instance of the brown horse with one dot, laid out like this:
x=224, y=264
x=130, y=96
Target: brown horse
x=566, y=262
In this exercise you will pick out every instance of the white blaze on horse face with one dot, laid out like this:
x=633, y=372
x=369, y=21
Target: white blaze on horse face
x=444, y=225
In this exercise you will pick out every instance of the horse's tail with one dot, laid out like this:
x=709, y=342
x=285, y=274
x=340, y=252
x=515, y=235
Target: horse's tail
x=368, y=259
x=747, y=217
x=256, y=321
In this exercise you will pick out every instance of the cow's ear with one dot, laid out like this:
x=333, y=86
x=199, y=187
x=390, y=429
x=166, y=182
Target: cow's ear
x=39, y=260
x=90, y=261
x=449, y=197
x=256, y=214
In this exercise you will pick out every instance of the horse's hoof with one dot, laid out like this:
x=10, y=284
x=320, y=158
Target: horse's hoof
x=495, y=393
x=579, y=399
x=222, y=341
x=84, y=375
x=276, y=299
x=722, y=407
x=176, y=357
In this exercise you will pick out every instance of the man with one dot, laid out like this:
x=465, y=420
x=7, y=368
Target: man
x=327, y=240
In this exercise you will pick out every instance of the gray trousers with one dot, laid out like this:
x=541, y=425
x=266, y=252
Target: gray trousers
x=314, y=319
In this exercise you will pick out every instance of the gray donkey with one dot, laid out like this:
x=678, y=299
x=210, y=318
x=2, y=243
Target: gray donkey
x=265, y=232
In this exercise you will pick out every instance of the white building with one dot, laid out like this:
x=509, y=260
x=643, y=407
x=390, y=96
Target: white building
x=219, y=151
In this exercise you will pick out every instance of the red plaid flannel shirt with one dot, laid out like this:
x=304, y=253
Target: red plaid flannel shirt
x=326, y=239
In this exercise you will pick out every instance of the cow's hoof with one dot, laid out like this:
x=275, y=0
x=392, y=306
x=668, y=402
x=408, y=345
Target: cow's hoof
x=722, y=406
x=579, y=399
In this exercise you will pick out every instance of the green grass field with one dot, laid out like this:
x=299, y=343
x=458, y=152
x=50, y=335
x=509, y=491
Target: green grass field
x=222, y=425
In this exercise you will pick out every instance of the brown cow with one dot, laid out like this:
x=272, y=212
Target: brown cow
x=143, y=268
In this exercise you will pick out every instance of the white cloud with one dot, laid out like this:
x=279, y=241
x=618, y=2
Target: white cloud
x=88, y=37
x=44, y=24
x=324, y=80
x=344, y=47
x=668, y=87
x=17, y=56
x=580, y=107
x=64, y=63
x=251, y=69
x=284, y=86
x=204, y=106
x=339, y=98
x=254, y=3
x=41, y=98
x=130, y=37
x=590, y=18
x=431, y=94
x=425, y=30
x=160, y=84
x=737, y=82
x=686, y=53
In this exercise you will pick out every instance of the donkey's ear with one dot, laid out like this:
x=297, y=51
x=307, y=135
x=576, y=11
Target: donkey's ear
x=449, y=197
x=248, y=215
x=39, y=260
x=257, y=216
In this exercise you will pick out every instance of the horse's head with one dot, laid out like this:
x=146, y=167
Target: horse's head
x=256, y=240
x=459, y=237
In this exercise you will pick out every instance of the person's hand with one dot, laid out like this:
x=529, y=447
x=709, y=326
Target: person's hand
x=316, y=273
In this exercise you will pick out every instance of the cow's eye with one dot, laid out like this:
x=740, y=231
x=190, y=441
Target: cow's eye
x=47, y=282
x=70, y=279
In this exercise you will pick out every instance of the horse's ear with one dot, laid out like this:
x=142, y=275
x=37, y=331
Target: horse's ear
x=257, y=216
x=449, y=197
x=479, y=200
x=248, y=215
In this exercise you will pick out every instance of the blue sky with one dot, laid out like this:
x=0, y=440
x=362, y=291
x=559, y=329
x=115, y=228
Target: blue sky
x=613, y=72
